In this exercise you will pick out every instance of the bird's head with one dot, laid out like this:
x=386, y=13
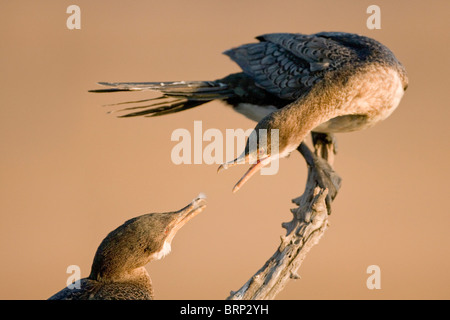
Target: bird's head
x=140, y=240
x=265, y=144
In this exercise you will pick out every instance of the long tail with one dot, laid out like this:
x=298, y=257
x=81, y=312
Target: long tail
x=176, y=96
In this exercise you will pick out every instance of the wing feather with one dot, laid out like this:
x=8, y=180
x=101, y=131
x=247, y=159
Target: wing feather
x=288, y=65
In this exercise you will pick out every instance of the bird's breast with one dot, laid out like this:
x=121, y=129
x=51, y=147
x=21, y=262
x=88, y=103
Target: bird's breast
x=369, y=98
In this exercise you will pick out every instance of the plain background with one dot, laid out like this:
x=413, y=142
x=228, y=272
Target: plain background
x=70, y=172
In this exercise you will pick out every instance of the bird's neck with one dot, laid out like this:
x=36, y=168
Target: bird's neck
x=138, y=274
x=299, y=118
x=114, y=271
x=117, y=263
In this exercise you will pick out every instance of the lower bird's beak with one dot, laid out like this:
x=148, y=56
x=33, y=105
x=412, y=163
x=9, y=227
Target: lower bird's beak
x=190, y=211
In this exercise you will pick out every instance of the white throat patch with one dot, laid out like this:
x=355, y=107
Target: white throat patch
x=163, y=252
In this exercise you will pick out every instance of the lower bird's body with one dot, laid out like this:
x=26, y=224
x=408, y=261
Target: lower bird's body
x=139, y=288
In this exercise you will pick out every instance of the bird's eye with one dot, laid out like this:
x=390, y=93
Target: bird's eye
x=261, y=151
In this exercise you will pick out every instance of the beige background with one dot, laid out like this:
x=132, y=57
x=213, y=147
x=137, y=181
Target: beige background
x=70, y=173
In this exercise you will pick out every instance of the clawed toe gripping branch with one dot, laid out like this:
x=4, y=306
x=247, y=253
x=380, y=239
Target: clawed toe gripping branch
x=309, y=222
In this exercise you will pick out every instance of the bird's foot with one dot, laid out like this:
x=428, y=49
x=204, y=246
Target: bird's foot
x=327, y=178
x=322, y=173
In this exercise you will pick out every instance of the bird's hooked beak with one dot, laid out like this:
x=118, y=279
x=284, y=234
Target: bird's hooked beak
x=258, y=161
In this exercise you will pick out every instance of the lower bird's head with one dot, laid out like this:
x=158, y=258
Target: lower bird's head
x=162, y=227
x=264, y=145
x=140, y=240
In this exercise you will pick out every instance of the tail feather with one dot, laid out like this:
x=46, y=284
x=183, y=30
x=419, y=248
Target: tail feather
x=166, y=107
x=161, y=111
x=134, y=101
x=166, y=101
x=168, y=88
x=176, y=95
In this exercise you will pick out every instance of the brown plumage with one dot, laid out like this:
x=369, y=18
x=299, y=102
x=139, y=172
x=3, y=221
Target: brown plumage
x=118, y=271
x=326, y=82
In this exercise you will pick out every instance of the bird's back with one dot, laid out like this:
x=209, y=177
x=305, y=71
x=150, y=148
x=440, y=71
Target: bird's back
x=276, y=71
x=288, y=65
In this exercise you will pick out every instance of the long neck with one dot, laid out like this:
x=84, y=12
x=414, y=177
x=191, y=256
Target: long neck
x=118, y=258
x=299, y=118
x=113, y=268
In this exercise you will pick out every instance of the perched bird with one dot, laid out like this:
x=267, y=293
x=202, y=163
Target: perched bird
x=326, y=82
x=118, y=271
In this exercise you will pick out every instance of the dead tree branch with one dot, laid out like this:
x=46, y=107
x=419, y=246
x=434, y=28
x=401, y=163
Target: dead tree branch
x=309, y=222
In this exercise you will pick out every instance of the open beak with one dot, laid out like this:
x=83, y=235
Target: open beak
x=253, y=169
x=260, y=163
